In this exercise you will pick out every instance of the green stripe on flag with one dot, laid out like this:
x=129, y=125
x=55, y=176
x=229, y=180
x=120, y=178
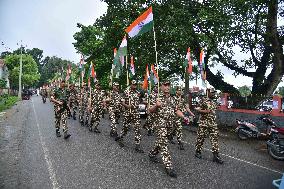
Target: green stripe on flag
x=147, y=27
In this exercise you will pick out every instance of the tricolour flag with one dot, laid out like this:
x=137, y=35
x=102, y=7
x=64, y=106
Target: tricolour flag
x=122, y=51
x=146, y=78
x=202, y=64
x=189, y=69
x=154, y=74
x=132, y=69
x=142, y=24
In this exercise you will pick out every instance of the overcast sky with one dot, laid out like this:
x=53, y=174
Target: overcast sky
x=50, y=25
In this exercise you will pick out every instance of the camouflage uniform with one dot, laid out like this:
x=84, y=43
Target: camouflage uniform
x=177, y=122
x=165, y=112
x=83, y=106
x=97, y=109
x=207, y=125
x=60, y=111
x=151, y=119
x=132, y=97
x=114, y=111
x=73, y=101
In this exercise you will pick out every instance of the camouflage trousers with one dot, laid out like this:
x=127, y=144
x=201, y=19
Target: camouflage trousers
x=60, y=117
x=132, y=118
x=176, y=129
x=202, y=132
x=114, y=116
x=150, y=122
x=83, y=109
x=96, y=116
x=161, y=144
x=73, y=106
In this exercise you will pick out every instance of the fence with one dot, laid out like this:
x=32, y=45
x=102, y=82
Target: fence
x=9, y=92
x=252, y=102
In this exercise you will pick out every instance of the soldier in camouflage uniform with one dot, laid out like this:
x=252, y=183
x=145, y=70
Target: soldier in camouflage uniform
x=177, y=122
x=131, y=115
x=151, y=119
x=114, y=103
x=59, y=98
x=207, y=125
x=96, y=108
x=165, y=108
x=73, y=102
x=83, y=105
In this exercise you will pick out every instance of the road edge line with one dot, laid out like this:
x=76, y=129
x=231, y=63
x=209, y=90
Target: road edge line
x=52, y=175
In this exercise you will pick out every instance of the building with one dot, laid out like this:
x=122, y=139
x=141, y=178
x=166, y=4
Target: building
x=4, y=73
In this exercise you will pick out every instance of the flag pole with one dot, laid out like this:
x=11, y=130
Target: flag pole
x=156, y=54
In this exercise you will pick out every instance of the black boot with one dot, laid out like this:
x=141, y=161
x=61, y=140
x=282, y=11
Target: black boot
x=181, y=147
x=120, y=141
x=198, y=154
x=149, y=132
x=90, y=128
x=171, y=139
x=96, y=130
x=154, y=159
x=113, y=134
x=74, y=115
x=66, y=135
x=58, y=133
x=217, y=159
x=138, y=148
x=86, y=123
x=171, y=172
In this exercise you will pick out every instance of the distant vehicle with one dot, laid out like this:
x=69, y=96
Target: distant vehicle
x=26, y=95
x=265, y=106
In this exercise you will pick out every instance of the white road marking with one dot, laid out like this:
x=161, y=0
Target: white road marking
x=51, y=172
x=241, y=160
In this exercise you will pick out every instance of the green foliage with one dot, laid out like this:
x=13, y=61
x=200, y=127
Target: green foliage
x=244, y=91
x=30, y=70
x=6, y=101
x=280, y=91
x=3, y=84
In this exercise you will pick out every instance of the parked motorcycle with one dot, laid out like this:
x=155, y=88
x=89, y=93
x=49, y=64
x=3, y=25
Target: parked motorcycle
x=275, y=143
x=246, y=129
x=275, y=135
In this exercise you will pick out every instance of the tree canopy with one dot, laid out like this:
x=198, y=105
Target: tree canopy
x=220, y=27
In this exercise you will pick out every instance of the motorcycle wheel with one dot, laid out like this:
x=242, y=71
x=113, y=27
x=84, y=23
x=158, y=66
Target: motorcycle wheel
x=275, y=154
x=241, y=135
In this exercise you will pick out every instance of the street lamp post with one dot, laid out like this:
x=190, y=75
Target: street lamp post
x=20, y=76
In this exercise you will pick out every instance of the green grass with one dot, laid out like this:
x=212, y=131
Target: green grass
x=6, y=101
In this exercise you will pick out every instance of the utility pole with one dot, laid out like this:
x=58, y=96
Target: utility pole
x=20, y=76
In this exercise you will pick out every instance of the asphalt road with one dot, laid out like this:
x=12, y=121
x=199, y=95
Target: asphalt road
x=33, y=157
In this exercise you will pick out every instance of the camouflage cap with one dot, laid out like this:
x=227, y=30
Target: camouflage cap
x=178, y=88
x=134, y=82
x=115, y=84
x=166, y=82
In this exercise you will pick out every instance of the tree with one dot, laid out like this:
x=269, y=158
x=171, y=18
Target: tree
x=250, y=25
x=244, y=91
x=30, y=70
x=280, y=91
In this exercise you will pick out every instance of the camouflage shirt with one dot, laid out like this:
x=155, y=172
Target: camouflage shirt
x=168, y=107
x=96, y=99
x=115, y=102
x=132, y=97
x=180, y=103
x=208, y=104
x=73, y=94
x=60, y=94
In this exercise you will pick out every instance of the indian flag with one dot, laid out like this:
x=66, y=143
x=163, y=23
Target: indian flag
x=146, y=78
x=142, y=24
x=122, y=51
x=154, y=74
x=132, y=69
x=189, y=69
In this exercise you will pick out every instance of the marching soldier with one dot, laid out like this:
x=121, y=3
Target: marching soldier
x=73, y=103
x=207, y=125
x=131, y=115
x=96, y=108
x=177, y=126
x=165, y=108
x=83, y=107
x=151, y=117
x=43, y=93
x=59, y=98
x=114, y=108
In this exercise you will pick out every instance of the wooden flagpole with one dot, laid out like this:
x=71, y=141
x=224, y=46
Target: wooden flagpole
x=157, y=65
